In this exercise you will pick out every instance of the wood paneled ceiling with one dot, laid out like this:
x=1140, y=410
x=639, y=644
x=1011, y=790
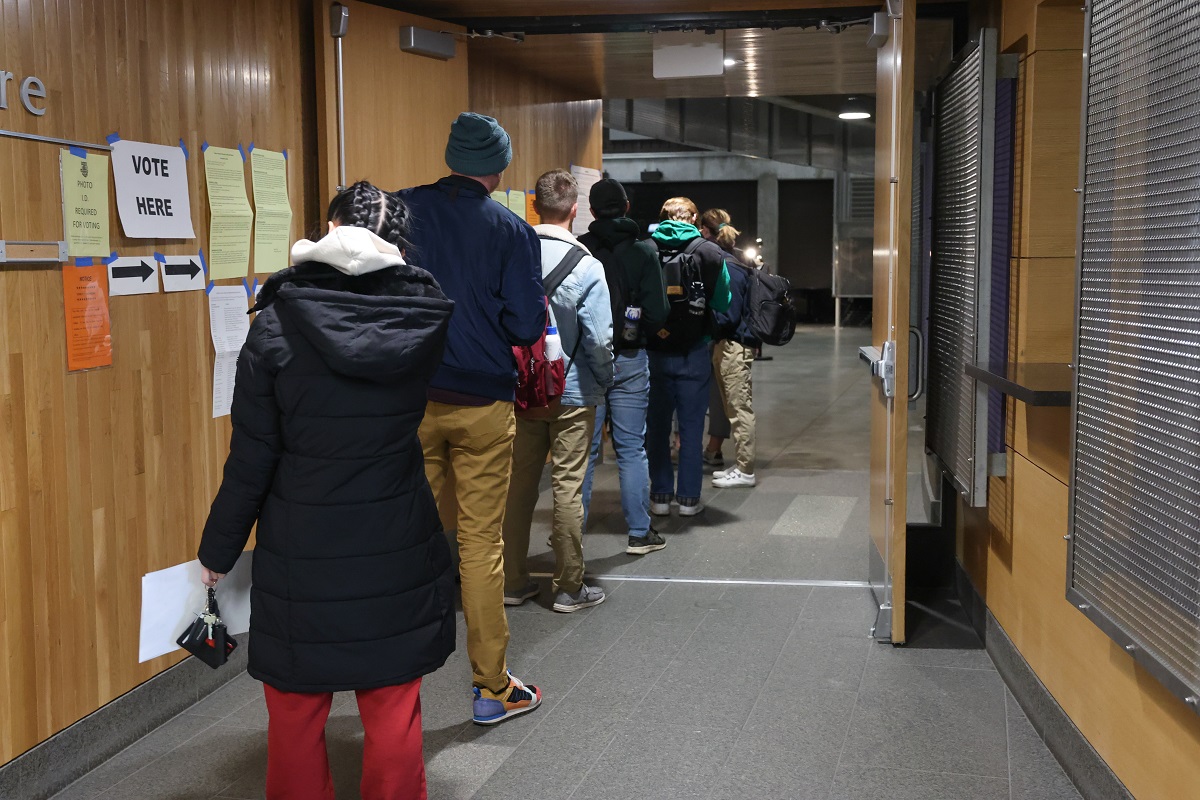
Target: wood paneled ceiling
x=463, y=9
x=790, y=61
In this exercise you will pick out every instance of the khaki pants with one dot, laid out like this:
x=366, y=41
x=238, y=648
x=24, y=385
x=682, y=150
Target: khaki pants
x=475, y=446
x=731, y=364
x=567, y=438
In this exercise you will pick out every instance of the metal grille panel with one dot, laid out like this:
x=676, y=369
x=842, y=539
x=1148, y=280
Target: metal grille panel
x=961, y=257
x=1134, y=565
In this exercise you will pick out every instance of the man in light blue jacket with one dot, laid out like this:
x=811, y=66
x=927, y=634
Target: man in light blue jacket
x=583, y=315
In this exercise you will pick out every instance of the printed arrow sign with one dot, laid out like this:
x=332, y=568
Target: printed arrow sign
x=182, y=274
x=132, y=276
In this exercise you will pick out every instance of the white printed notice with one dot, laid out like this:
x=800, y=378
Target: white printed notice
x=173, y=597
x=229, y=325
x=152, y=190
x=272, y=211
x=586, y=177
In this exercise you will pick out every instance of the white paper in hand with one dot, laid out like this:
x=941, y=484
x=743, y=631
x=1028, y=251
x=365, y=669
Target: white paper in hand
x=172, y=597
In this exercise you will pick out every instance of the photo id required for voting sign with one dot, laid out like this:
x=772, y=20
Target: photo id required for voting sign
x=152, y=190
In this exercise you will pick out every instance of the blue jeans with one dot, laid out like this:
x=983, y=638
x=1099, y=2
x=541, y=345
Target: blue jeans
x=679, y=387
x=627, y=401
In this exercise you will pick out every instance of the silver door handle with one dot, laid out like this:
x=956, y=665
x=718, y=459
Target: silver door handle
x=920, y=362
x=883, y=365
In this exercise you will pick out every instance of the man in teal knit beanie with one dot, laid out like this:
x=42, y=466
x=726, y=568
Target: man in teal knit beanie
x=478, y=146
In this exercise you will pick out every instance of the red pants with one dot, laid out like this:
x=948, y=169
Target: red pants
x=393, y=764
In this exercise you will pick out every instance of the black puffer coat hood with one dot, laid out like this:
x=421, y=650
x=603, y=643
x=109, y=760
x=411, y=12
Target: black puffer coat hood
x=353, y=584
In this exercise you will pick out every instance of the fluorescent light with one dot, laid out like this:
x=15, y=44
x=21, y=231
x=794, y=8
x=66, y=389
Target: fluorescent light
x=854, y=115
x=856, y=108
x=731, y=62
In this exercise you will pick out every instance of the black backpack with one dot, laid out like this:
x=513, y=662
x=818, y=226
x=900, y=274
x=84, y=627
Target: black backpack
x=687, y=301
x=614, y=276
x=769, y=312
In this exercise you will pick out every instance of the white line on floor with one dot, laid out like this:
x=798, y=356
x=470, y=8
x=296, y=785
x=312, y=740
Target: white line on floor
x=729, y=581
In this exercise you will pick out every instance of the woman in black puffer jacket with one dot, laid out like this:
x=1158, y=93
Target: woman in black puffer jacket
x=353, y=587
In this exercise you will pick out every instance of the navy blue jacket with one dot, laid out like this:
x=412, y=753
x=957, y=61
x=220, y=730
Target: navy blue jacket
x=731, y=323
x=489, y=262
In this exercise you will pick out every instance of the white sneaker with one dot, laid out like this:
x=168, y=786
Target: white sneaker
x=721, y=472
x=734, y=477
x=691, y=511
x=660, y=509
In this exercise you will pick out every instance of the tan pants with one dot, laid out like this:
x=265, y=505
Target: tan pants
x=567, y=438
x=731, y=364
x=475, y=446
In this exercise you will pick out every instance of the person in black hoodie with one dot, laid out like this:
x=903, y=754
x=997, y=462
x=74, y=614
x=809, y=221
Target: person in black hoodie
x=353, y=582
x=639, y=309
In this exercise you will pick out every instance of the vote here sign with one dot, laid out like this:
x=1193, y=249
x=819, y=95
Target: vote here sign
x=152, y=190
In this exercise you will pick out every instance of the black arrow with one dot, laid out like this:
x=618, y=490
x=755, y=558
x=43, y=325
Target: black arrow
x=190, y=269
x=139, y=270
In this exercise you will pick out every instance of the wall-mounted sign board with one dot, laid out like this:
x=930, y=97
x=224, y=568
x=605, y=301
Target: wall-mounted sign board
x=85, y=202
x=152, y=190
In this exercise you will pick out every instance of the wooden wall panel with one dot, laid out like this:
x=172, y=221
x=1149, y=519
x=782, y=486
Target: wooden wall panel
x=107, y=475
x=1048, y=212
x=398, y=106
x=550, y=125
x=452, y=9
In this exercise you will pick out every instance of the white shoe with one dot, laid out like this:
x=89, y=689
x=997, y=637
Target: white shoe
x=721, y=472
x=691, y=511
x=660, y=509
x=734, y=477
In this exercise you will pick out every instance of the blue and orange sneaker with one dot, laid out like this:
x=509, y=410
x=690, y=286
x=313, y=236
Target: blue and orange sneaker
x=491, y=708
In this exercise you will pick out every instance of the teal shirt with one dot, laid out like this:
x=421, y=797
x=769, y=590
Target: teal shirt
x=675, y=235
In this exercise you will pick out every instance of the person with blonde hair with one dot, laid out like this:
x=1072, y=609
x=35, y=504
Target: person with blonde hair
x=697, y=284
x=733, y=354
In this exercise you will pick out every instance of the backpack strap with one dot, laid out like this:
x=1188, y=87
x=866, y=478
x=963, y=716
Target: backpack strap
x=693, y=245
x=569, y=262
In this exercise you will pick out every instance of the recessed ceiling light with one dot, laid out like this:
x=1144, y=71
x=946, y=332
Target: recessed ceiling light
x=731, y=62
x=855, y=108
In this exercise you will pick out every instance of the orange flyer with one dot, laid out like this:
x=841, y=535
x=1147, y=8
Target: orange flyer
x=85, y=303
x=531, y=215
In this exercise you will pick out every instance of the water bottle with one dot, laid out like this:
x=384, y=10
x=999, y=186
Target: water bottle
x=629, y=332
x=553, y=344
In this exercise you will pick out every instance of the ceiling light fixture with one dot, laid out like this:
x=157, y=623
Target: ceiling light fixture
x=855, y=109
x=731, y=62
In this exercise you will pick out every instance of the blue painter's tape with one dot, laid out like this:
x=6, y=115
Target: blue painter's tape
x=242, y=150
x=159, y=257
x=84, y=262
x=78, y=152
x=246, y=284
x=111, y=258
x=255, y=287
x=186, y=155
x=285, y=154
x=251, y=147
x=203, y=261
x=208, y=289
x=113, y=138
x=204, y=146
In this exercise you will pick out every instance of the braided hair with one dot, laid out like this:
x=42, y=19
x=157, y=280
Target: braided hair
x=365, y=205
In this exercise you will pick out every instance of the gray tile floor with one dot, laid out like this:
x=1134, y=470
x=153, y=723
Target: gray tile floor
x=678, y=689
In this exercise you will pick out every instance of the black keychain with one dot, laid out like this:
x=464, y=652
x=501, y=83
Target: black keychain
x=207, y=638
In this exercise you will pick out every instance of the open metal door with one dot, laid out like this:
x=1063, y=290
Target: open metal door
x=890, y=328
